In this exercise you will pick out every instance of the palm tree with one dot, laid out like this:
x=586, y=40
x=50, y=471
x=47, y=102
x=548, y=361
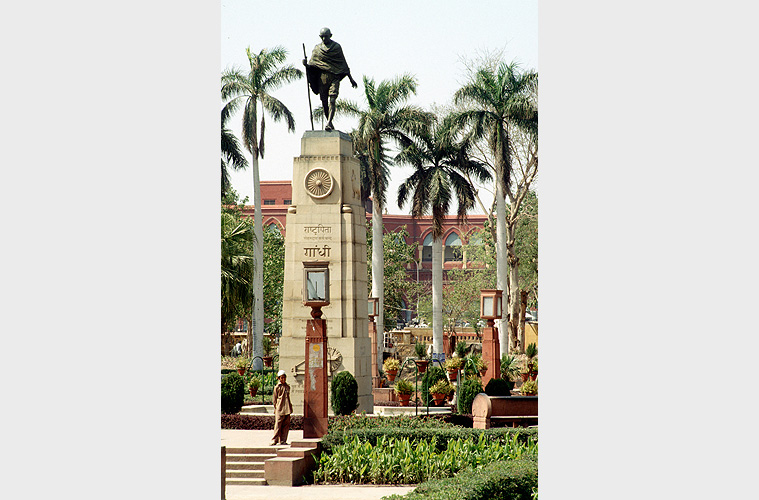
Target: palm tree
x=385, y=118
x=442, y=171
x=231, y=156
x=237, y=264
x=500, y=99
x=253, y=89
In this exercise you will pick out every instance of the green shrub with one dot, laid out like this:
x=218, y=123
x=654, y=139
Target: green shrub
x=232, y=393
x=468, y=391
x=401, y=461
x=499, y=387
x=432, y=375
x=354, y=422
x=503, y=480
x=336, y=435
x=344, y=393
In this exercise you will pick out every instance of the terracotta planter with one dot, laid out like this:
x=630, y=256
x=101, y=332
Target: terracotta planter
x=483, y=372
x=533, y=375
x=525, y=376
x=252, y=392
x=241, y=371
x=438, y=398
x=404, y=399
x=268, y=361
x=422, y=365
x=452, y=375
x=391, y=374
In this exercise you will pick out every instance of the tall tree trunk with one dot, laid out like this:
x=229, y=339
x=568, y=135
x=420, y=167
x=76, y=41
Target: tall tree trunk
x=501, y=252
x=437, y=295
x=514, y=302
x=255, y=333
x=378, y=271
x=522, y=312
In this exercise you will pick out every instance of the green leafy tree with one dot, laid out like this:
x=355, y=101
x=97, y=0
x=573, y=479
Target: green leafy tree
x=252, y=90
x=398, y=256
x=237, y=265
x=384, y=119
x=441, y=170
x=501, y=101
x=231, y=155
x=274, y=274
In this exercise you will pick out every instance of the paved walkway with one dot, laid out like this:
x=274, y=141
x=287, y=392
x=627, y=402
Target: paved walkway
x=232, y=438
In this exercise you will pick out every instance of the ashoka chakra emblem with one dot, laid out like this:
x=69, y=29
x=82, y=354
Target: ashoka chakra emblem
x=319, y=183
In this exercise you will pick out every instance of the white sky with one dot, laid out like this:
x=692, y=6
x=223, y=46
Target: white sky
x=380, y=40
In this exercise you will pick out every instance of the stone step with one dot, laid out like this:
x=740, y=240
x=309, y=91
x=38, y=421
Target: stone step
x=246, y=482
x=245, y=474
x=259, y=450
x=250, y=457
x=245, y=466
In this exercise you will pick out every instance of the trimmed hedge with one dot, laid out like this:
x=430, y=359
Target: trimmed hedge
x=499, y=387
x=469, y=390
x=344, y=389
x=232, y=393
x=442, y=435
x=257, y=422
x=507, y=480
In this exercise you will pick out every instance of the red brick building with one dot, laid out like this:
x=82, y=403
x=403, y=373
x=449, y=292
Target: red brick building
x=276, y=197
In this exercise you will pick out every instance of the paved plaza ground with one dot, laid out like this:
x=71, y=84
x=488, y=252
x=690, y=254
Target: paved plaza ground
x=233, y=438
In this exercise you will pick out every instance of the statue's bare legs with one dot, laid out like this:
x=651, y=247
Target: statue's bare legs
x=329, y=111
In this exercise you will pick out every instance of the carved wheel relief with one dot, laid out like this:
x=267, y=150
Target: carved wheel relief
x=319, y=183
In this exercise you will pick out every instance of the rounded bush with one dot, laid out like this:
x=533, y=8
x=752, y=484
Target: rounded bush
x=499, y=387
x=469, y=390
x=232, y=393
x=344, y=393
x=432, y=375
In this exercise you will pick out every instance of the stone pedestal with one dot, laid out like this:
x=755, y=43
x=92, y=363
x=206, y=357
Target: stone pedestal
x=491, y=352
x=315, y=398
x=327, y=222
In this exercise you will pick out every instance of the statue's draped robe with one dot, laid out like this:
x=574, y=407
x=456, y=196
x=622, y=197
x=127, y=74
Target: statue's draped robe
x=329, y=59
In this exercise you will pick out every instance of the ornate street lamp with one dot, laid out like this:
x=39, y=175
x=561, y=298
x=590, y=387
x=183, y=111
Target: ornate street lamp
x=491, y=310
x=316, y=296
x=490, y=305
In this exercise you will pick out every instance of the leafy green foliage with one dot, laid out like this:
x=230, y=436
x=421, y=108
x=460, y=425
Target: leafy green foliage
x=274, y=275
x=232, y=393
x=468, y=391
x=401, y=461
x=344, y=391
x=501, y=480
x=237, y=266
x=499, y=387
x=421, y=430
x=355, y=422
x=397, y=255
x=432, y=375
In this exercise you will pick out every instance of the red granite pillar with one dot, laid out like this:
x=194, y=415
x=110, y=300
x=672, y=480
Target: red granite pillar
x=491, y=352
x=315, y=402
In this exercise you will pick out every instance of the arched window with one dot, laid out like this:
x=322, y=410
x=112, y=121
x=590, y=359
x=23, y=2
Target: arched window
x=274, y=227
x=427, y=248
x=452, y=250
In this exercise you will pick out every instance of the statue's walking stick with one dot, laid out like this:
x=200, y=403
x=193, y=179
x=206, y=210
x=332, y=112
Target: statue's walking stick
x=308, y=91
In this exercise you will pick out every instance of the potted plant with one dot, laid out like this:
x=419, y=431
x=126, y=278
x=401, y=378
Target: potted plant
x=241, y=364
x=421, y=354
x=509, y=367
x=461, y=349
x=451, y=391
x=525, y=374
x=268, y=349
x=391, y=366
x=482, y=365
x=453, y=365
x=404, y=389
x=529, y=388
x=253, y=384
x=533, y=369
x=439, y=391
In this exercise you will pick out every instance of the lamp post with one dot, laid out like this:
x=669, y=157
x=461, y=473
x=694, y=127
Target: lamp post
x=376, y=351
x=315, y=403
x=491, y=310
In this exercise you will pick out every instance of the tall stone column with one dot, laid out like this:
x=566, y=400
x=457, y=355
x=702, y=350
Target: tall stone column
x=491, y=352
x=327, y=222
